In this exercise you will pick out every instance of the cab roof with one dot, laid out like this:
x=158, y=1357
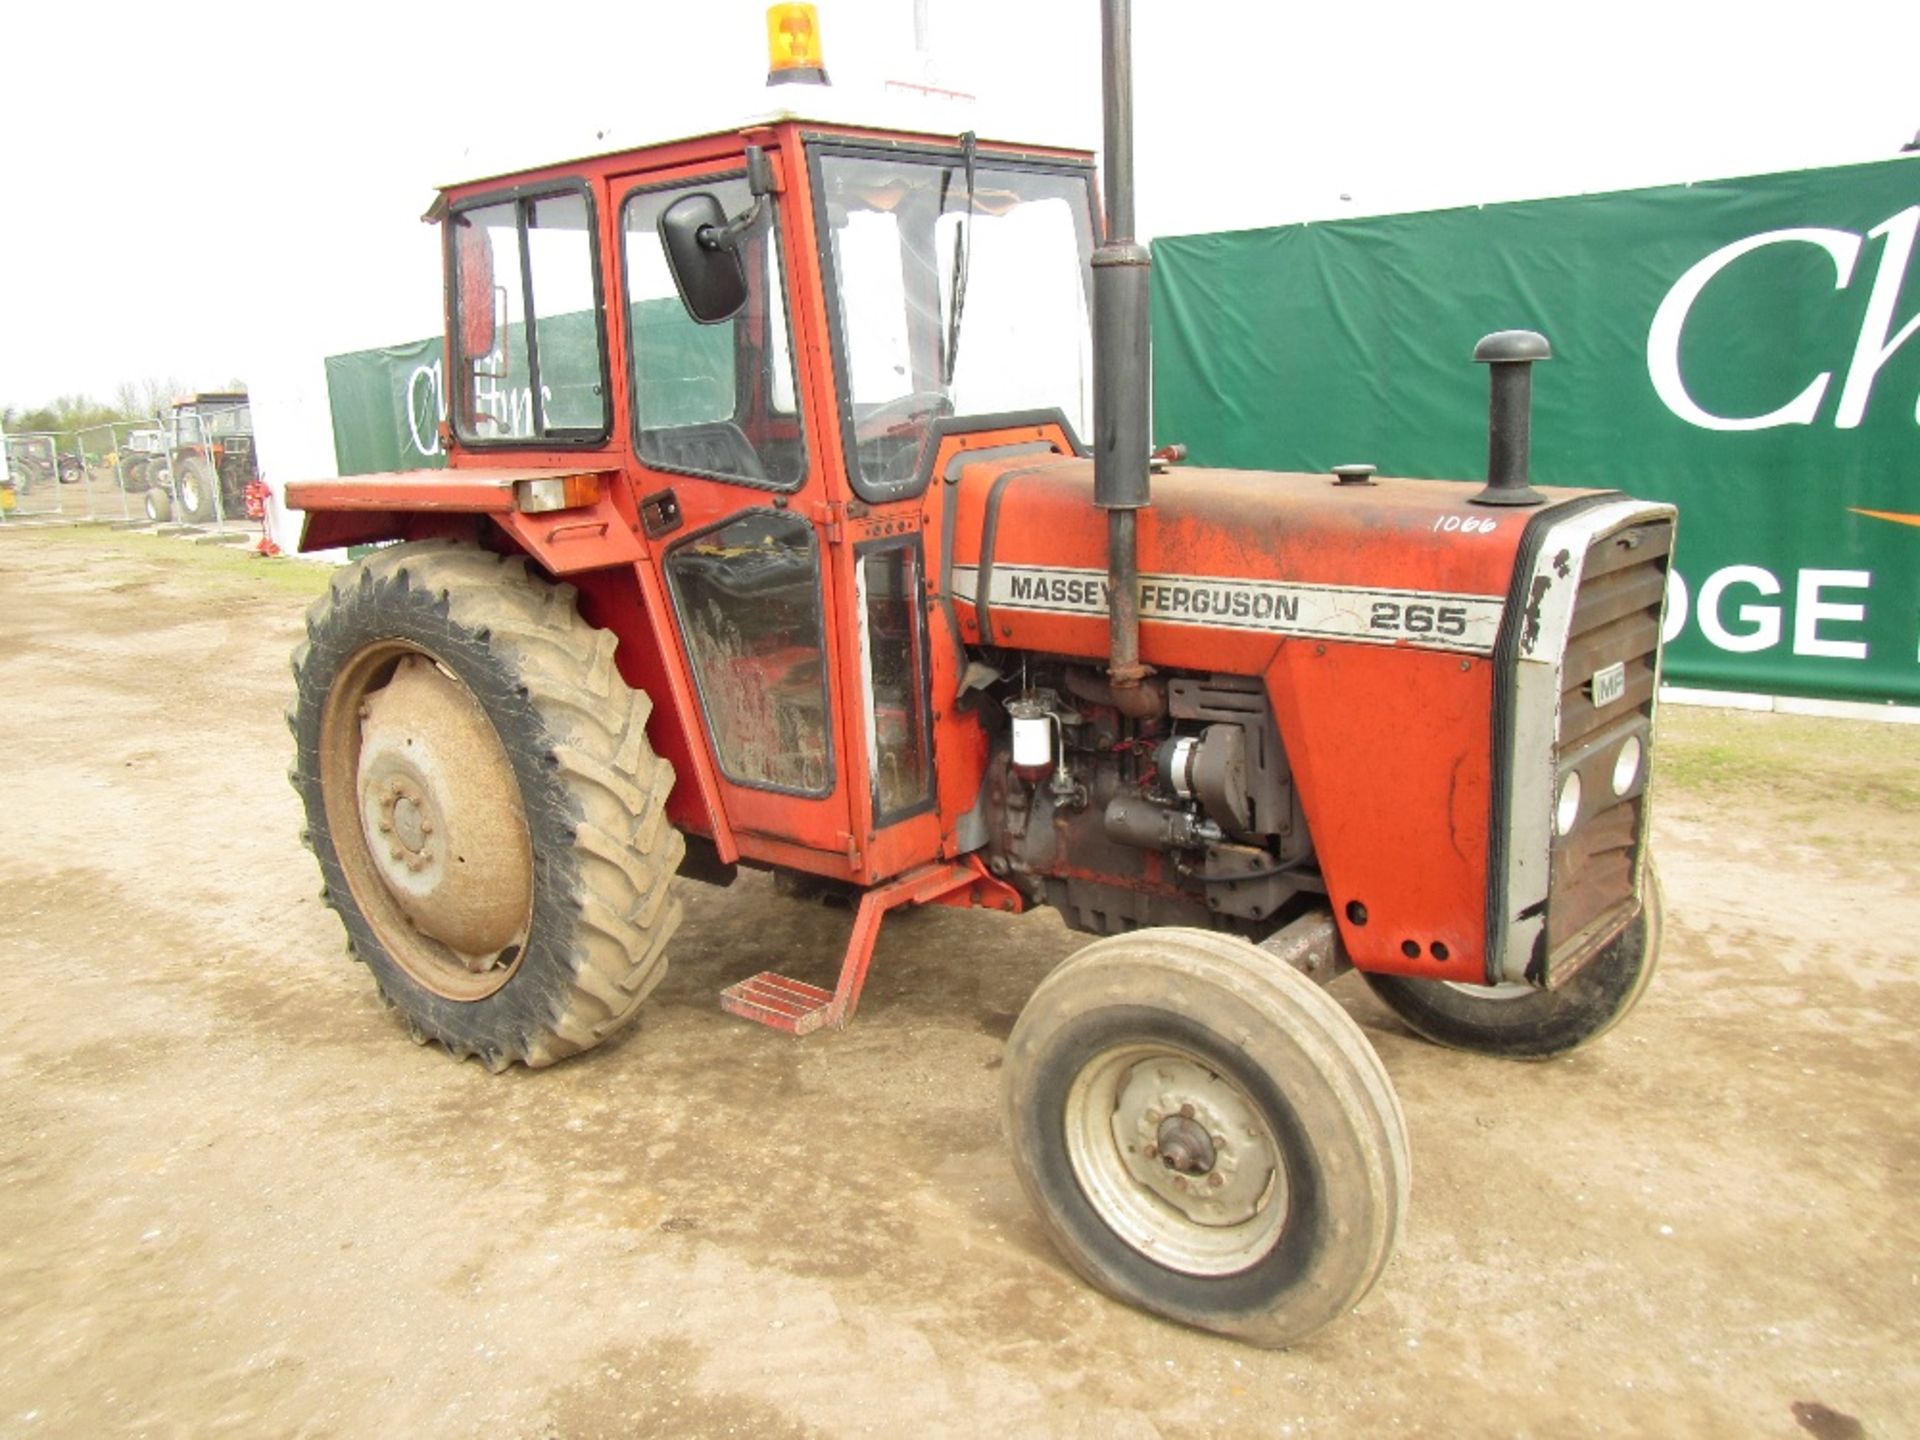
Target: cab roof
x=895, y=110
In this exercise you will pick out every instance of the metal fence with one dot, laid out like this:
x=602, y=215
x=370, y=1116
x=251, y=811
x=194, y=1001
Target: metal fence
x=188, y=473
x=40, y=468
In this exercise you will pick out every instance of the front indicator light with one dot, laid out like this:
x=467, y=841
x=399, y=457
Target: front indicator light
x=558, y=492
x=1568, y=810
x=1626, y=765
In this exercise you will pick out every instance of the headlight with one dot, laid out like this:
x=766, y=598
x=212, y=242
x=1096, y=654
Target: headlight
x=1568, y=810
x=1626, y=766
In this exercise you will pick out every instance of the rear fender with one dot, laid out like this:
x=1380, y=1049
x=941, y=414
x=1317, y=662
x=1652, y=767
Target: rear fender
x=366, y=509
x=596, y=548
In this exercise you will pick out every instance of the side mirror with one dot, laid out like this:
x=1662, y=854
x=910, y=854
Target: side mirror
x=707, y=270
x=473, y=250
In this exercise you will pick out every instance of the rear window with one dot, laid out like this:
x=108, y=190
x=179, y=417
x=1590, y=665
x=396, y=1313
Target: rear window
x=530, y=364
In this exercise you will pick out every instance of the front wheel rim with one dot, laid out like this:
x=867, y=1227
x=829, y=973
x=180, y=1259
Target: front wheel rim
x=1176, y=1159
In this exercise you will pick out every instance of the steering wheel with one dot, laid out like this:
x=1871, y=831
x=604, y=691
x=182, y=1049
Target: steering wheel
x=905, y=413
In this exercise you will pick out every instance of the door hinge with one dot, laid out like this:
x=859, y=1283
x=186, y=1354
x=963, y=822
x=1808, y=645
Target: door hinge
x=827, y=515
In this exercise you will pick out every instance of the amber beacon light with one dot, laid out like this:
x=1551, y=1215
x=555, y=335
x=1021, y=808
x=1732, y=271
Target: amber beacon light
x=793, y=46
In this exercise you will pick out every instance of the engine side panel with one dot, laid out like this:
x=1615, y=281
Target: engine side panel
x=1371, y=615
x=1392, y=752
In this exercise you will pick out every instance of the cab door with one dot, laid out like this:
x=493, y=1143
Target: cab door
x=733, y=500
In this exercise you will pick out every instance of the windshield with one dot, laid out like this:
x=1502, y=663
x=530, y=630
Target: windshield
x=946, y=307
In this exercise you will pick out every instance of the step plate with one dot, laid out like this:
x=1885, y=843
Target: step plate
x=790, y=1005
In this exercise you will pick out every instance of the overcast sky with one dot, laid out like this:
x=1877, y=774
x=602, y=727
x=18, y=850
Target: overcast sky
x=209, y=190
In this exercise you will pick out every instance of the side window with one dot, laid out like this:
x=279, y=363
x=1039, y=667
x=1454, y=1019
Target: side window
x=715, y=400
x=748, y=594
x=893, y=660
x=526, y=321
x=566, y=321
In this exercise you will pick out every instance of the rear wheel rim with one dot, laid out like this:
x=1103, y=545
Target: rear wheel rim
x=427, y=819
x=1176, y=1159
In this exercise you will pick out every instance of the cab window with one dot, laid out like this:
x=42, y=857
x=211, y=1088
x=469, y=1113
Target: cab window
x=531, y=365
x=748, y=594
x=716, y=400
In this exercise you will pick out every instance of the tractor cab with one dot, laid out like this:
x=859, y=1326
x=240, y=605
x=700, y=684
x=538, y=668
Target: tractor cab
x=733, y=359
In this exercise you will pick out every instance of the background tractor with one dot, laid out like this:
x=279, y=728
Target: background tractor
x=771, y=537
x=209, y=460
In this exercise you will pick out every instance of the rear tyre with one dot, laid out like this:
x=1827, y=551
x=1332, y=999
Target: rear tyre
x=489, y=818
x=1206, y=1134
x=193, y=491
x=1520, y=1022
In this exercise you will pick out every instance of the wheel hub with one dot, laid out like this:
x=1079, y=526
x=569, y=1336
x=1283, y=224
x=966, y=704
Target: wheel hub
x=1177, y=1159
x=410, y=823
x=440, y=809
x=405, y=820
x=1184, y=1146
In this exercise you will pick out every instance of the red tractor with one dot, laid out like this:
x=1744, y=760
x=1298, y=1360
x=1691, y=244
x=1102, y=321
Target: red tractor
x=769, y=538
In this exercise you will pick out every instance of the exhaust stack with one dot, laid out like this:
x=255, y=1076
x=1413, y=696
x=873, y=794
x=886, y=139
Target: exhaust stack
x=1120, y=348
x=1509, y=356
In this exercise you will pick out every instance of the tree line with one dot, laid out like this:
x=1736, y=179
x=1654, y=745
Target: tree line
x=132, y=402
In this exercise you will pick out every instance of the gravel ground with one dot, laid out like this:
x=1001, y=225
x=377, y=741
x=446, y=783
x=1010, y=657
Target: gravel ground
x=235, y=1200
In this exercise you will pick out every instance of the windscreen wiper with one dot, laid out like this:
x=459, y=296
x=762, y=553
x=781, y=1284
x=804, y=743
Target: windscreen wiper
x=962, y=253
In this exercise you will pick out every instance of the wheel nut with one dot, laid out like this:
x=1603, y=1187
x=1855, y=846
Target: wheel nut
x=1216, y=1180
x=1187, y=1110
x=1153, y=1117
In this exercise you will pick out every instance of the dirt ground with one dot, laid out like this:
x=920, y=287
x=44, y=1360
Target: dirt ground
x=235, y=1201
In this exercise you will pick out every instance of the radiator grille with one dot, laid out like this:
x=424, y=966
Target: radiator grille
x=1616, y=621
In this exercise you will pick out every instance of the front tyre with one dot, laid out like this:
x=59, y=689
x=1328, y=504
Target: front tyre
x=1206, y=1134
x=487, y=813
x=1522, y=1022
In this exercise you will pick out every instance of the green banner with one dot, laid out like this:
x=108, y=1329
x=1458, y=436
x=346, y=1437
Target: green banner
x=387, y=404
x=1746, y=349
x=386, y=407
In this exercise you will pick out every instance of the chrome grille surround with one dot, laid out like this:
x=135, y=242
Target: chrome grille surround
x=1577, y=608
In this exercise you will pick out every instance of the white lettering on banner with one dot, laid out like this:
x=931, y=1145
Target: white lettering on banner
x=1467, y=624
x=1663, y=338
x=1809, y=610
x=1814, y=615
x=511, y=410
x=1871, y=352
x=1874, y=349
x=426, y=406
x=1765, y=619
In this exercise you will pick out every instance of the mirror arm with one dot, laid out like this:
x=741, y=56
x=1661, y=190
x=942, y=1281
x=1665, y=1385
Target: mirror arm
x=734, y=233
x=760, y=181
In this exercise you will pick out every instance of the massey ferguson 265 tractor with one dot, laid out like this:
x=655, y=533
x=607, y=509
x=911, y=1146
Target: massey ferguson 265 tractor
x=798, y=516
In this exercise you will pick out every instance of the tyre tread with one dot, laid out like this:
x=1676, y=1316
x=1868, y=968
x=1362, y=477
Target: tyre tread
x=626, y=855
